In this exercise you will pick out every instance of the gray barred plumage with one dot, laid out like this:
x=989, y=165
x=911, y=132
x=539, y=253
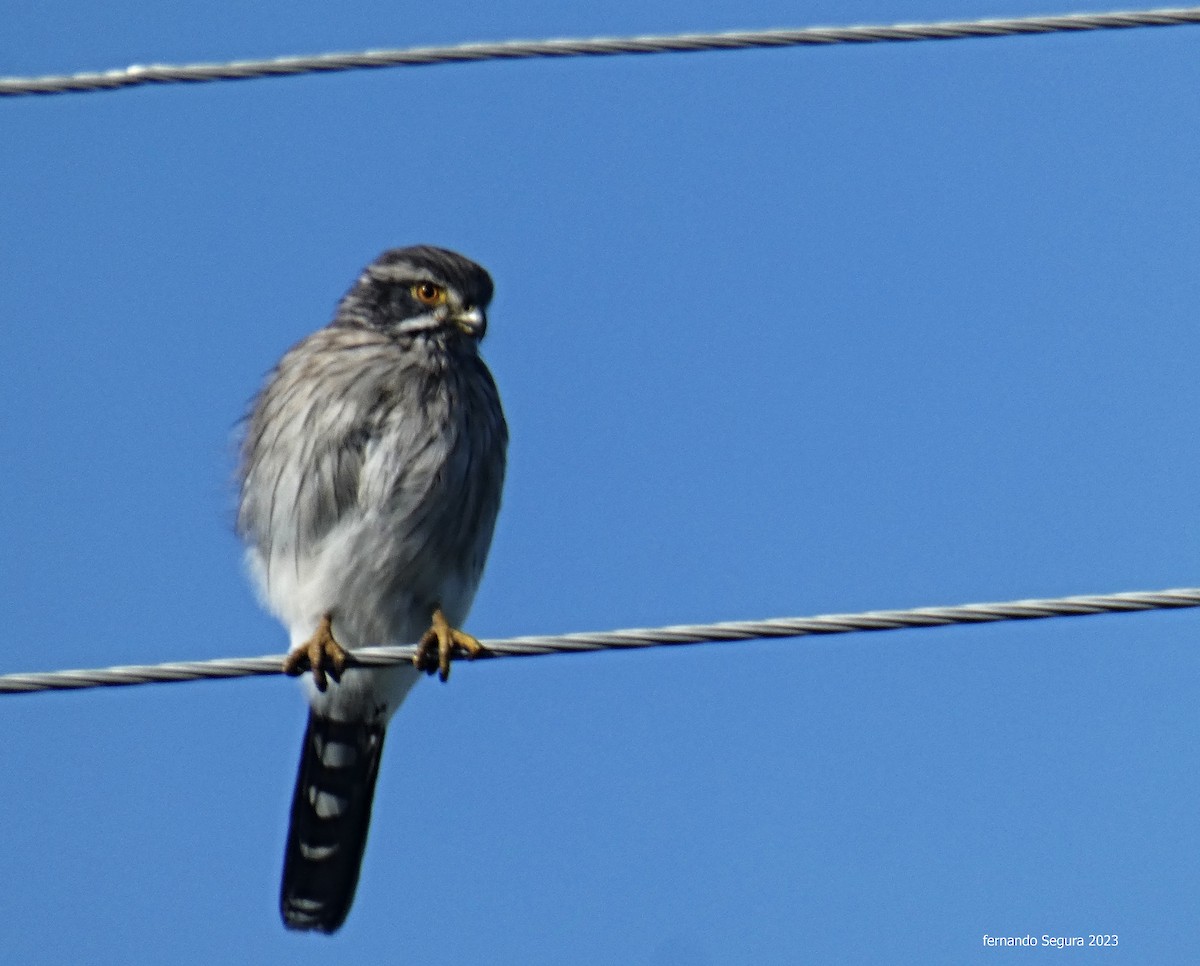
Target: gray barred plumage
x=371, y=471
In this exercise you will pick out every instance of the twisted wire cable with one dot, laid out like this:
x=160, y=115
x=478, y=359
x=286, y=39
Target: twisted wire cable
x=876, y=620
x=139, y=74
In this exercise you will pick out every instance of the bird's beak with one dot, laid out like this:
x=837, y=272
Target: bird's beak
x=471, y=322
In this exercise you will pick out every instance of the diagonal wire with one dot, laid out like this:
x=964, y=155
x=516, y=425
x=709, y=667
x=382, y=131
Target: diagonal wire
x=876, y=620
x=596, y=47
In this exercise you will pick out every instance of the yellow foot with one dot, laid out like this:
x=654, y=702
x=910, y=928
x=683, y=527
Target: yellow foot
x=445, y=638
x=321, y=654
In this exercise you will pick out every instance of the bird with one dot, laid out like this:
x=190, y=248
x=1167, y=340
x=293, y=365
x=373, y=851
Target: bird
x=370, y=474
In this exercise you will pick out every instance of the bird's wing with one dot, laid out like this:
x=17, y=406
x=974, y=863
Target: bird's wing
x=305, y=442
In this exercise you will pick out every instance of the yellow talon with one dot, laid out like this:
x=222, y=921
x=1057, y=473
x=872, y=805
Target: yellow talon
x=321, y=654
x=446, y=638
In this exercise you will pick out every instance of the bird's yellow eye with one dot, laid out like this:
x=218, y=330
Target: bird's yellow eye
x=429, y=293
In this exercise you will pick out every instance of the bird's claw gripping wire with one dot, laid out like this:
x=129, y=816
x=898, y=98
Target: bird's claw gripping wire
x=436, y=647
x=321, y=654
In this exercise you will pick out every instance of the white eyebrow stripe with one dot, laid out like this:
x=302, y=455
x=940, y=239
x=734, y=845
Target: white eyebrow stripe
x=403, y=272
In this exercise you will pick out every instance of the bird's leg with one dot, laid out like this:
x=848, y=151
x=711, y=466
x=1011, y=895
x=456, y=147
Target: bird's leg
x=321, y=654
x=444, y=637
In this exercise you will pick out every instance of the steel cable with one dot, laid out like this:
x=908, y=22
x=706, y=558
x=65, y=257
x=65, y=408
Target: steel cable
x=140, y=74
x=878, y=620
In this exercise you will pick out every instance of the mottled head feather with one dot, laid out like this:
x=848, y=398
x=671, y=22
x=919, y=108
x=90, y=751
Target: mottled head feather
x=381, y=298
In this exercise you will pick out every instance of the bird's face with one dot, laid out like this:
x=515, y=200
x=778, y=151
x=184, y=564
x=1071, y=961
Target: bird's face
x=420, y=291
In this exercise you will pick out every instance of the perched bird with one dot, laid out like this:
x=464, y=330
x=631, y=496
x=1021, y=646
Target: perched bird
x=370, y=478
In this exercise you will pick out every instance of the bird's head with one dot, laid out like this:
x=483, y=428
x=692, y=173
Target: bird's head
x=422, y=290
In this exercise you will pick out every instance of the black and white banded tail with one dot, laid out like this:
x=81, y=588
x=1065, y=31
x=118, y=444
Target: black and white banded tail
x=331, y=811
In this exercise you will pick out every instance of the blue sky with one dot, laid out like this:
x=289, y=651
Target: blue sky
x=778, y=333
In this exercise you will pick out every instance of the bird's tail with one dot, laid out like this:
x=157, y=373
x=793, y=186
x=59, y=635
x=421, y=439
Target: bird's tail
x=331, y=811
